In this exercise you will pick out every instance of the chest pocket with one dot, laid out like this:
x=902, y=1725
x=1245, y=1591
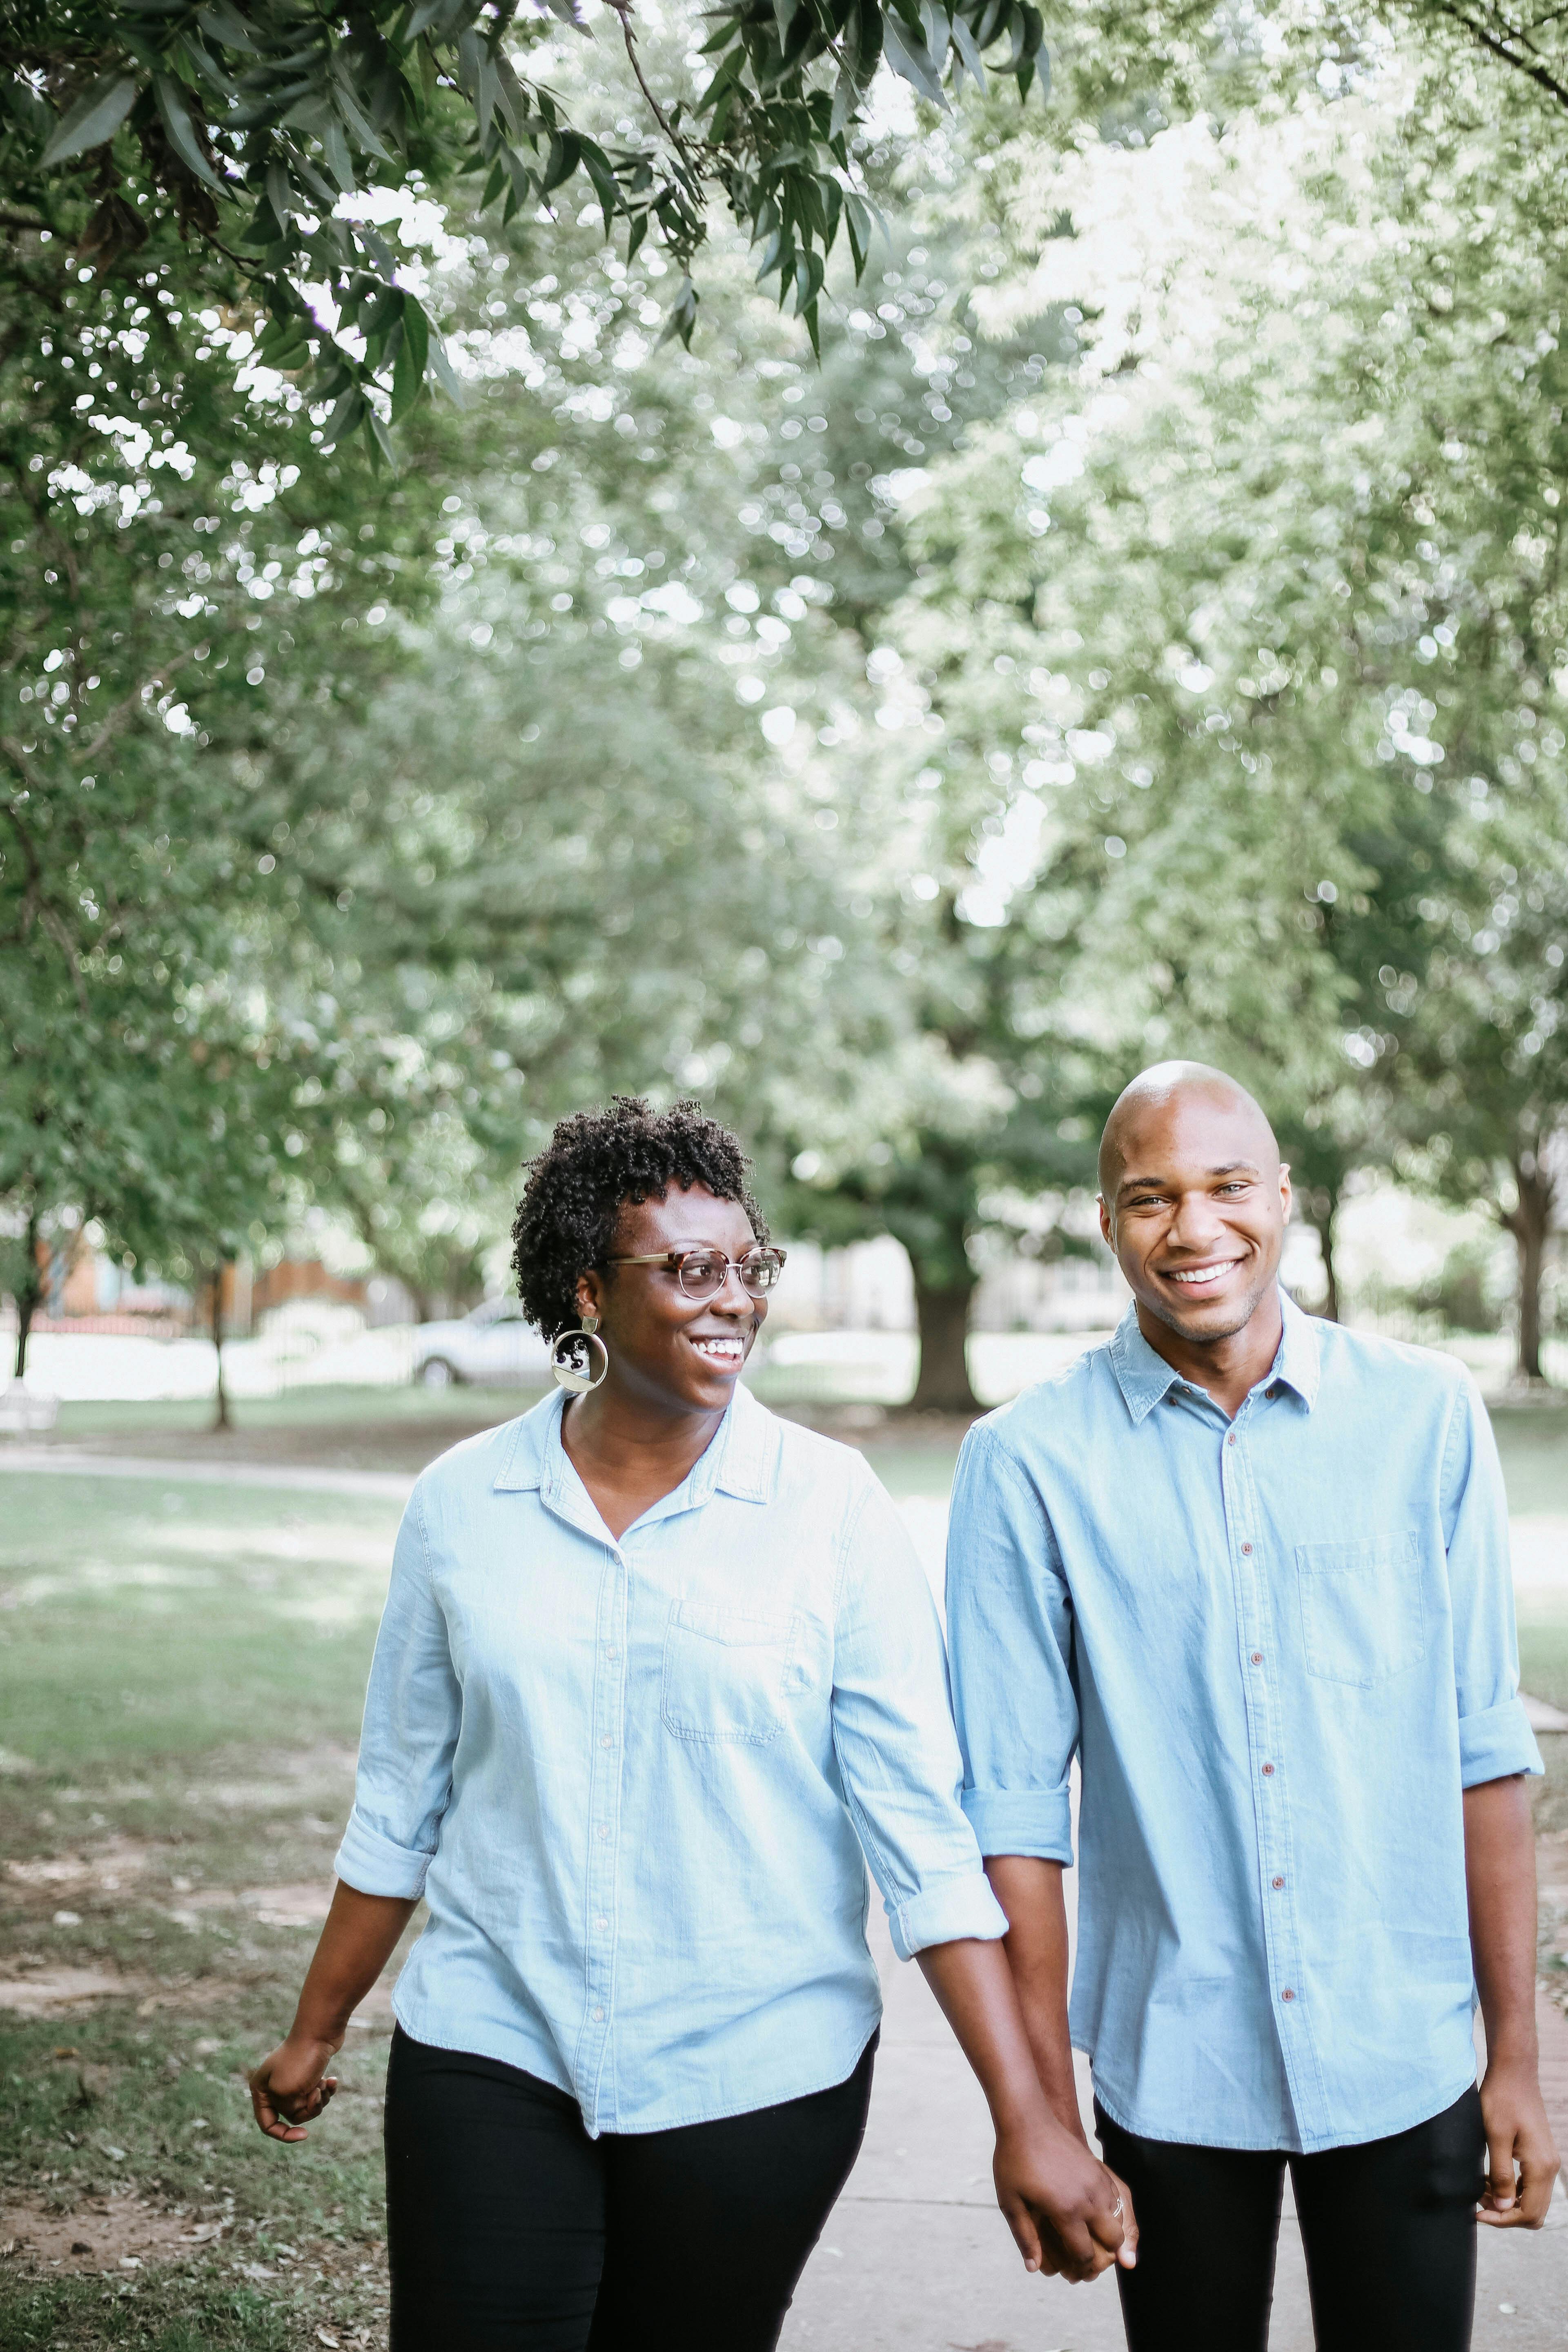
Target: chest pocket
x=724, y=1672
x=1362, y=1610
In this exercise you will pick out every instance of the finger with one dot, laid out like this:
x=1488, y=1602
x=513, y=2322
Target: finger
x=1128, y=2256
x=1021, y=2222
x=1536, y=2177
x=1082, y=2258
x=1501, y=2191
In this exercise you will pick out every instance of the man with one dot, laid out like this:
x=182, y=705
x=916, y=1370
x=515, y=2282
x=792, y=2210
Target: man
x=1252, y=1569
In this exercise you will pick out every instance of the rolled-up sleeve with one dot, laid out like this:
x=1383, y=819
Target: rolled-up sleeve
x=1495, y=1736
x=1009, y=1629
x=892, y=1734
x=412, y=1712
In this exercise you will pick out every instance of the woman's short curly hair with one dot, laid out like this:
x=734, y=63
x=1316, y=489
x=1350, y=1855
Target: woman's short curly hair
x=592, y=1166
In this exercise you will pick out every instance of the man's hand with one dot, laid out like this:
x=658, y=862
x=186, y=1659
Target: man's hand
x=1070, y=2215
x=1518, y=2134
x=291, y=2088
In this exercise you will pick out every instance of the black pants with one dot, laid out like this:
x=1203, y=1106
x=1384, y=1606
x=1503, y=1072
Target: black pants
x=1388, y=2228
x=508, y=2229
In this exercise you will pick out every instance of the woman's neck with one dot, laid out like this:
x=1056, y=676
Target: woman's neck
x=630, y=1451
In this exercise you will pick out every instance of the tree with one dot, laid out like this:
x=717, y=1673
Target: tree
x=262, y=134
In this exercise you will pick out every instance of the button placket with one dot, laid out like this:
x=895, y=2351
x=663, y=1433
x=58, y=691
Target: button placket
x=1255, y=1627
x=603, y=1828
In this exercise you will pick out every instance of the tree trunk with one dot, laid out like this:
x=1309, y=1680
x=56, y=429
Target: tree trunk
x=1327, y=1206
x=1530, y=1224
x=29, y=1291
x=220, y=1398
x=943, y=1317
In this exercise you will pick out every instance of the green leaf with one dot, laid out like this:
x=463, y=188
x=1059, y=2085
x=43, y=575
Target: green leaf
x=910, y=59
x=176, y=117
x=225, y=25
x=845, y=98
x=94, y=119
x=565, y=150
x=596, y=164
x=378, y=440
x=441, y=369
x=963, y=42
x=339, y=161
x=344, y=417
x=358, y=121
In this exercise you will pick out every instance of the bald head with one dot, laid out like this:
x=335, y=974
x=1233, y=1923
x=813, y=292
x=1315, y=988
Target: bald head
x=1184, y=1090
x=1194, y=1201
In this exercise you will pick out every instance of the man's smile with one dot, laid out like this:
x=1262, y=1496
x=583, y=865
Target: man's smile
x=1197, y=1279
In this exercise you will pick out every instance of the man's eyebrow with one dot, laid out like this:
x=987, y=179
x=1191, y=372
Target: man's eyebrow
x=1226, y=1168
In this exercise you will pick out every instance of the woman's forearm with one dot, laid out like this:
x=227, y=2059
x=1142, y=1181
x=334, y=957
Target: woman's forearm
x=1066, y=2212
x=975, y=1993
x=359, y=1938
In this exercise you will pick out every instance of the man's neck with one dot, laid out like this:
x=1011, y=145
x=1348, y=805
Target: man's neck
x=1228, y=1368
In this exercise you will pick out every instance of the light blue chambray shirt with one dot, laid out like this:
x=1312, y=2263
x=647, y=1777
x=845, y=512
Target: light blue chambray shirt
x=635, y=1780
x=1283, y=1647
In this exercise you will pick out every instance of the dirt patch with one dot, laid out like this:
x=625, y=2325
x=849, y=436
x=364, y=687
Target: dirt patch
x=58, y=1992
x=109, y=2234
x=303, y=1904
x=108, y=1870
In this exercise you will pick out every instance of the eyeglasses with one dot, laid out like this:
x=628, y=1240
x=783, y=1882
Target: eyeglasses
x=703, y=1271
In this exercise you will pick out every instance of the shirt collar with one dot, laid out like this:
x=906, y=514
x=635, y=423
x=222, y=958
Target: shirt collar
x=743, y=1458
x=1144, y=1376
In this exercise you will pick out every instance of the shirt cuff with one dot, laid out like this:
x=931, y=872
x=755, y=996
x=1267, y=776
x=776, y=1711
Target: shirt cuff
x=1495, y=1743
x=376, y=1864
x=1034, y=1822
x=946, y=1913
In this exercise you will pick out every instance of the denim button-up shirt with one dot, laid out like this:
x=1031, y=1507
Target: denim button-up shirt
x=635, y=1780
x=1282, y=1646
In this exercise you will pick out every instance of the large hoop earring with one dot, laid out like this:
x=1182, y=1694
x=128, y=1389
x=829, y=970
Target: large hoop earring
x=579, y=1360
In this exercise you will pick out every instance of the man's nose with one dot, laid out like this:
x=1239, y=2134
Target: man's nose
x=1195, y=1222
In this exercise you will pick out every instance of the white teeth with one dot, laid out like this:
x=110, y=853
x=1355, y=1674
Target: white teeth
x=1201, y=1273
x=725, y=1348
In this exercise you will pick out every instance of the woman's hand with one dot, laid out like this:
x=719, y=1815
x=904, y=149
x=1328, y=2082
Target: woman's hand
x=291, y=2088
x=1070, y=2215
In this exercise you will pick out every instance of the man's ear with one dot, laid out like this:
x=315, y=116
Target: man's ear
x=1288, y=1193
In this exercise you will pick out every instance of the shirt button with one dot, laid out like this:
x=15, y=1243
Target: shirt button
x=1277, y=1884
x=612, y=1655
x=1287, y=1994
x=1257, y=1657
x=1231, y=1439
x=1247, y=1549
x=599, y=2014
x=603, y=1924
x=1267, y=1773
x=607, y=1741
x=602, y=1834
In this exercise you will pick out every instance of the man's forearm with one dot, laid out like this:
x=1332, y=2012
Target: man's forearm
x=1499, y=1871
x=1030, y=1892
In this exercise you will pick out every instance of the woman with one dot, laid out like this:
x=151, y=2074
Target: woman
x=655, y=1669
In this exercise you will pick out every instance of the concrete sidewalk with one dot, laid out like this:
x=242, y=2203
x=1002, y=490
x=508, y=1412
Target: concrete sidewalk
x=916, y=2258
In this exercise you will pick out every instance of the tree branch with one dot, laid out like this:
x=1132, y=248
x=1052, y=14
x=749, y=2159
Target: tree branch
x=1497, y=47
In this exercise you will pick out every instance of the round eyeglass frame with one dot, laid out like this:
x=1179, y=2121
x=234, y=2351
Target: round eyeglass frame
x=766, y=1255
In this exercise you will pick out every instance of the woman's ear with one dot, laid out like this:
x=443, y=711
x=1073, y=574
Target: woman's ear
x=590, y=1292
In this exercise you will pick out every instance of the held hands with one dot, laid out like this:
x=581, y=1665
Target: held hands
x=291, y=2088
x=1517, y=2133
x=1070, y=2213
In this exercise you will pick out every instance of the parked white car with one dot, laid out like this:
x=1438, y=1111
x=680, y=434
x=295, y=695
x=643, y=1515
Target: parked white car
x=490, y=1347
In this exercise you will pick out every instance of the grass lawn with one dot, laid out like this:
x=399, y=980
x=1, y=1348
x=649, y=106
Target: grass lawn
x=182, y=1667
x=181, y=1671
